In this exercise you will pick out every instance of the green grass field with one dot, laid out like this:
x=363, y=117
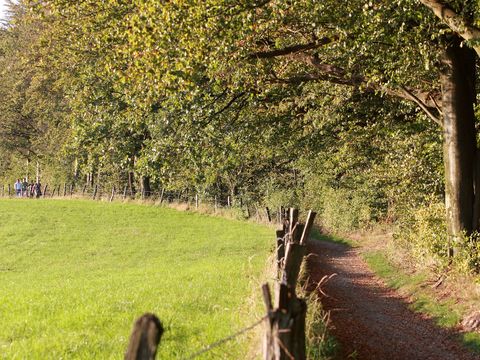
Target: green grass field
x=74, y=275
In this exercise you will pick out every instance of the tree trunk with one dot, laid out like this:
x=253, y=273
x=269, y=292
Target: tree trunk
x=458, y=98
x=131, y=177
x=146, y=190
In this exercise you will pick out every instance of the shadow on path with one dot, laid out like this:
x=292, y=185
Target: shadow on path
x=370, y=320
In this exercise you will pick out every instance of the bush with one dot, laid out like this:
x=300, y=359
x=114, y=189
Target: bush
x=344, y=211
x=468, y=257
x=424, y=235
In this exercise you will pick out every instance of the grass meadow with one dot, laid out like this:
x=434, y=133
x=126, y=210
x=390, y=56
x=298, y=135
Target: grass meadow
x=74, y=275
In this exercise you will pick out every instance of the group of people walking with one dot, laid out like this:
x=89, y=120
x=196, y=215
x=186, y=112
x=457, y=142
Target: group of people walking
x=26, y=189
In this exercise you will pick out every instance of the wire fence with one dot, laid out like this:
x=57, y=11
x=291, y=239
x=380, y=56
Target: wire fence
x=249, y=209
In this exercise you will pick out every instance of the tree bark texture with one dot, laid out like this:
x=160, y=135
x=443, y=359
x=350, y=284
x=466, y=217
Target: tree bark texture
x=458, y=98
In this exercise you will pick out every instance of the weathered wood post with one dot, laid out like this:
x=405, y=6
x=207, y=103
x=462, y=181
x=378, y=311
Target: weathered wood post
x=113, y=194
x=71, y=189
x=95, y=191
x=280, y=248
x=64, y=189
x=45, y=188
x=9, y=190
x=161, y=194
x=267, y=212
x=125, y=192
x=228, y=201
x=83, y=190
x=196, y=201
x=215, y=203
x=145, y=338
x=285, y=324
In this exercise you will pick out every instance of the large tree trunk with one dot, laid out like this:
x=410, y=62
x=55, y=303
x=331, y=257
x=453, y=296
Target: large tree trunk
x=458, y=98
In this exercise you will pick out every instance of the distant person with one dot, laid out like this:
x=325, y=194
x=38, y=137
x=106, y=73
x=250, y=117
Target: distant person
x=38, y=189
x=25, y=187
x=18, y=188
x=31, y=189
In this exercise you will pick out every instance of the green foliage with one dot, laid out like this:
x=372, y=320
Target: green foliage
x=425, y=235
x=468, y=257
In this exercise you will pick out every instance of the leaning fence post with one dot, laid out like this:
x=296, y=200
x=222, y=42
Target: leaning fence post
x=267, y=212
x=125, y=192
x=161, y=194
x=113, y=194
x=280, y=248
x=145, y=338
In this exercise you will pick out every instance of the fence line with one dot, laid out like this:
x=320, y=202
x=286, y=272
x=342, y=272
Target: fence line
x=97, y=192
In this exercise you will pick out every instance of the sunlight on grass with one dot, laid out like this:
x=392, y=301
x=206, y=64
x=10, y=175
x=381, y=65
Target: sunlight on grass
x=445, y=313
x=75, y=274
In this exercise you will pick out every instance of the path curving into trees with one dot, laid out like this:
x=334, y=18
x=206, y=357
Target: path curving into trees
x=370, y=320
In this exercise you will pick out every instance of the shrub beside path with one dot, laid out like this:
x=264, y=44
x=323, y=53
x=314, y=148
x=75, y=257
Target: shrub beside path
x=370, y=320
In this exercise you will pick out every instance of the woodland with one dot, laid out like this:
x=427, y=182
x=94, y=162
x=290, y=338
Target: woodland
x=365, y=111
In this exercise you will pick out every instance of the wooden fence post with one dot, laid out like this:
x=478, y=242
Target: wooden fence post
x=267, y=212
x=3, y=190
x=95, y=191
x=113, y=194
x=125, y=192
x=228, y=201
x=71, y=189
x=285, y=325
x=45, y=190
x=196, y=201
x=9, y=190
x=280, y=248
x=83, y=190
x=161, y=194
x=215, y=203
x=145, y=338
x=64, y=189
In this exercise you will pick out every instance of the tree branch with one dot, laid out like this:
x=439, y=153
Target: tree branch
x=454, y=21
x=422, y=105
x=293, y=49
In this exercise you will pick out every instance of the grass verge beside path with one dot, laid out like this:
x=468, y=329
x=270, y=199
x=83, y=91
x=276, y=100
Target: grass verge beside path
x=447, y=312
x=75, y=274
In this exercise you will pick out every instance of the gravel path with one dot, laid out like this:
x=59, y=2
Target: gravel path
x=371, y=321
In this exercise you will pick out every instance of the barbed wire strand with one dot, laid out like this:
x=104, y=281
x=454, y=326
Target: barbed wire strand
x=226, y=339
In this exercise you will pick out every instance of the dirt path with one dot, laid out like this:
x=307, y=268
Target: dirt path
x=370, y=320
